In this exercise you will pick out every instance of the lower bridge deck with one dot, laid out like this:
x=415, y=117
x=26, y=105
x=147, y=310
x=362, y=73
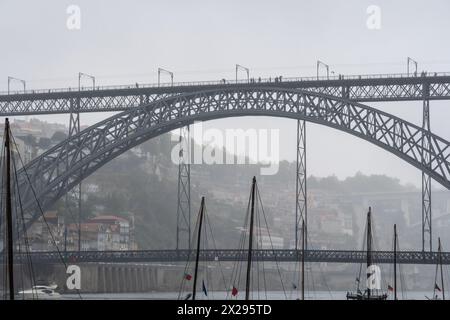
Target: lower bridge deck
x=281, y=255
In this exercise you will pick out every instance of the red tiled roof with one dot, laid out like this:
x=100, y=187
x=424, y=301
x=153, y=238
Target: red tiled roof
x=109, y=218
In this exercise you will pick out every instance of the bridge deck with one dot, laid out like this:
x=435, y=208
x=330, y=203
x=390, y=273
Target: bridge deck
x=281, y=255
x=363, y=88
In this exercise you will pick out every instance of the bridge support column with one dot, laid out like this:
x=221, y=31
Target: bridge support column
x=74, y=196
x=300, y=193
x=426, y=179
x=184, y=191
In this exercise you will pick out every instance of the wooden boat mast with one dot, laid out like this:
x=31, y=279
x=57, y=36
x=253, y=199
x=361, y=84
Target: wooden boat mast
x=250, y=240
x=440, y=263
x=202, y=209
x=8, y=212
x=395, y=262
x=369, y=245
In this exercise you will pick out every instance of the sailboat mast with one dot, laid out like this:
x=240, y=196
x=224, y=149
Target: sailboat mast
x=250, y=240
x=303, y=259
x=395, y=262
x=8, y=212
x=442, y=273
x=202, y=209
x=369, y=245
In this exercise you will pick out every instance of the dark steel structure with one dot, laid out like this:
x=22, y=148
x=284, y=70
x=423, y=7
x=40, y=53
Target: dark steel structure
x=154, y=109
x=98, y=144
x=332, y=256
x=362, y=88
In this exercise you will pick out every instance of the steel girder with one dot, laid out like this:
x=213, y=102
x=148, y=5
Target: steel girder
x=301, y=201
x=280, y=255
x=357, y=88
x=183, y=236
x=427, y=239
x=98, y=144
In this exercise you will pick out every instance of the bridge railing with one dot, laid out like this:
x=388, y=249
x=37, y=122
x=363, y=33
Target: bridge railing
x=341, y=256
x=227, y=82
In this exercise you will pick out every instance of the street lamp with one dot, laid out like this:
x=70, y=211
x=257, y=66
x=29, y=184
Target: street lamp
x=164, y=71
x=80, y=75
x=16, y=79
x=247, y=70
x=320, y=63
x=408, y=62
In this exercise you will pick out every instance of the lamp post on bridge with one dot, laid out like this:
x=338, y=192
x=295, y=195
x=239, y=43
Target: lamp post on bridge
x=10, y=79
x=164, y=71
x=247, y=70
x=74, y=128
x=320, y=63
x=81, y=75
x=408, y=62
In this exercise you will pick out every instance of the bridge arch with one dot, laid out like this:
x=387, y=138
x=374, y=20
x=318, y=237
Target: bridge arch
x=102, y=142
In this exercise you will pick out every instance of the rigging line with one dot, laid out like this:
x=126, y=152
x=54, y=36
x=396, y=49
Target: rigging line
x=41, y=211
x=209, y=281
x=215, y=249
x=402, y=276
x=27, y=244
x=361, y=264
x=258, y=236
x=19, y=249
x=244, y=238
x=270, y=239
x=183, y=284
x=263, y=265
x=435, y=281
x=15, y=221
x=237, y=266
x=322, y=273
x=3, y=223
x=261, y=247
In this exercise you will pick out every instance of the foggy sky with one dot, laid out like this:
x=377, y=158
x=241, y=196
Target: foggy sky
x=125, y=42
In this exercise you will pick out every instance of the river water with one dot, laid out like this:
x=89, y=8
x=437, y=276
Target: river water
x=271, y=295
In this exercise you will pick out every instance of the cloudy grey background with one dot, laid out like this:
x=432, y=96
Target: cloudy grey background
x=123, y=42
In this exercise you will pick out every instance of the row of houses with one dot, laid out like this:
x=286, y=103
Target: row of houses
x=104, y=232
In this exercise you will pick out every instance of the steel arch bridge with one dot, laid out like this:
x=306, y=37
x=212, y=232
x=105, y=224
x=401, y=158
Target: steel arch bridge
x=90, y=149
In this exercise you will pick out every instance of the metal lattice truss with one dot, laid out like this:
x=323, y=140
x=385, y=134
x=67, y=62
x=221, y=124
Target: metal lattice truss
x=387, y=91
x=362, y=89
x=427, y=239
x=301, y=201
x=57, y=103
x=102, y=142
x=280, y=255
x=183, y=237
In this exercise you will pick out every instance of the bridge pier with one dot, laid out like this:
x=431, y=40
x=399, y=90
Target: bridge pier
x=300, y=194
x=183, y=232
x=427, y=241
